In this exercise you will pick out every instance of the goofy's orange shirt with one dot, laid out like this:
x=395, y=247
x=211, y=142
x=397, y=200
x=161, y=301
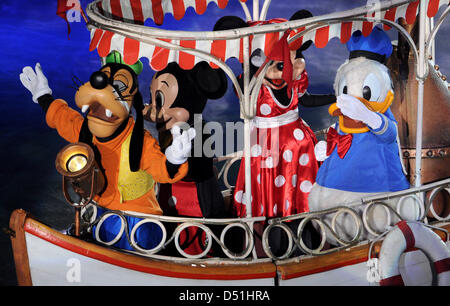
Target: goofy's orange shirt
x=68, y=123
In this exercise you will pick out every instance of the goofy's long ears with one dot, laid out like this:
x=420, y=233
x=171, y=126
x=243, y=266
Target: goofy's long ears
x=137, y=137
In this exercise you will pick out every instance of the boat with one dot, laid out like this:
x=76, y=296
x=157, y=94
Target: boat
x=45, y=256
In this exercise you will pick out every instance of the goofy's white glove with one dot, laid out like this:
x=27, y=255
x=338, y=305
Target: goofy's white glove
x=356, y=110
x=178, y=152
x=35, y=82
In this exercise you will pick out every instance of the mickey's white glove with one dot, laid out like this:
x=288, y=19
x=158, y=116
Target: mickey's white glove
x=320, y=150
x=356, y=110
x=178, y=152
x=35, y=82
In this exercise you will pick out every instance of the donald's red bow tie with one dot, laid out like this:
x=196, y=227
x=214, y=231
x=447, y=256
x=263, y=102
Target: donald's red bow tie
x=343, y=142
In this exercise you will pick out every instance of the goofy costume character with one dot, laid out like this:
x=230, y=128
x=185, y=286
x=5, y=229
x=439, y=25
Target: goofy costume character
x=130, y=158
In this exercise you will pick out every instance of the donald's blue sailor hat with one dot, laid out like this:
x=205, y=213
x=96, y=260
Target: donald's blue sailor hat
x=377, y=46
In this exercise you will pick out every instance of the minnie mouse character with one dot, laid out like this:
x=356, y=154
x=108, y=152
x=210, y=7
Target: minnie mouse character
x=283, y=163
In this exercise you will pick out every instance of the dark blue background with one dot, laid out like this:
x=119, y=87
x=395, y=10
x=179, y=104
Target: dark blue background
x=30, y=32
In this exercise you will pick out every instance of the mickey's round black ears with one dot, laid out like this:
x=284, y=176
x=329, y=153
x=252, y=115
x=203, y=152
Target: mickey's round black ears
x=302, y=14
x=229, y=22
x=211, y=82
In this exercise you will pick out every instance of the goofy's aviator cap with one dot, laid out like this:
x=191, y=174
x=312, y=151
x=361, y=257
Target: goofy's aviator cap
x=377, y=46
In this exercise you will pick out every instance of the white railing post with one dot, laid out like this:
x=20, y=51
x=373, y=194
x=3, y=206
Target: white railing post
x=247, y=121
x=255, y=10
x=421, y=72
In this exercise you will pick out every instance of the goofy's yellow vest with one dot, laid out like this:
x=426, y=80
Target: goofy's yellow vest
x=131, y=185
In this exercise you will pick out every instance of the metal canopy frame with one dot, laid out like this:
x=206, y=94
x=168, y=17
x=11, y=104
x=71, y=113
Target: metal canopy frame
x=248, y=95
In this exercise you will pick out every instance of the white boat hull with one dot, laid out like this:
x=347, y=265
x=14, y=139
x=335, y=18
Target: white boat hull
x=48, y=257
x=53, y=265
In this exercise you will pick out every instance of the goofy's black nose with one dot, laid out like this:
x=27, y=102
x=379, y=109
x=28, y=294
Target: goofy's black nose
x=99, y=80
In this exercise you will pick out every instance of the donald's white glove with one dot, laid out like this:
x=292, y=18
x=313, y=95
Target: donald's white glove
x=178, y=152
x=320, y=150
x=35, y=82
x=356, y=110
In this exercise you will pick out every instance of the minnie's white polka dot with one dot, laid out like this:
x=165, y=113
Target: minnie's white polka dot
x=279, y=181
x=304, y=159
x=261, y=209
x=269, y=162
x=294, y=180
x=265, y=109
x=298, y=134
x=238, y=196
x=286, y=205
x=256, y=150
x=275, y=207
x=306, y=186
x=258, y=178
x=287, y=155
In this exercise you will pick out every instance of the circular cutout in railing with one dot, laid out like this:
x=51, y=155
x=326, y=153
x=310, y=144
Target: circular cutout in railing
x=237, y=240
x=439, y=201
x=89, y=213
x=110, y=228
x=193, y=240
x=277, y=241
x=148, y=236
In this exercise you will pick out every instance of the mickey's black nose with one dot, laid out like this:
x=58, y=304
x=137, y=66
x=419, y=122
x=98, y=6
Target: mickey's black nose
x=99, y=80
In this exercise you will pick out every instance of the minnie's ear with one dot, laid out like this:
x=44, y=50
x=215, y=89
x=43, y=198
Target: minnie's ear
x=229, y=22
x=211, y=82
x=302, y=14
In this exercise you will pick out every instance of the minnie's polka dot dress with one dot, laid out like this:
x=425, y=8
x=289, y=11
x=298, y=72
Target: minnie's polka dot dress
x=283, y=164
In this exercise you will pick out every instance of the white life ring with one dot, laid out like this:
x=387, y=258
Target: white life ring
x=408, y=235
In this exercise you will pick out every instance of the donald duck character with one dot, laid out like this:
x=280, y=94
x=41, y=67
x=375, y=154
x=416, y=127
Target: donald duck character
x=361, y=154
x=129, y=157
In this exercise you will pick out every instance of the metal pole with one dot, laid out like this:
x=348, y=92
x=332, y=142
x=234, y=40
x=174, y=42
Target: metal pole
x=264, y=10
x=247, y=121
x=77, y=221
x=255, y=10
x=433, y=42
x=421, y=79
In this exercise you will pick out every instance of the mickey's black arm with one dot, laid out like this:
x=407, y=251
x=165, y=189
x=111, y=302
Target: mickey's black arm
x=309, y=100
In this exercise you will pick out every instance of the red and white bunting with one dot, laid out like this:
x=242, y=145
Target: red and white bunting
x=344, y=30
x=138, y=11
x=132, y=50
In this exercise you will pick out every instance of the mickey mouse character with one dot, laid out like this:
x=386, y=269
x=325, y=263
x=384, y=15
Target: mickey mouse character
x=179, y=96
x=130, y=157
x=282, y=159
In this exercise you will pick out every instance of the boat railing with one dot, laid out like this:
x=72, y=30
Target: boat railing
x=410, y=204
x=398, y=206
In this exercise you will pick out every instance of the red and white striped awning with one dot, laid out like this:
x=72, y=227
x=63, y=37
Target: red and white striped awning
x=344, y=30
x=132, y=50
x=138, y=11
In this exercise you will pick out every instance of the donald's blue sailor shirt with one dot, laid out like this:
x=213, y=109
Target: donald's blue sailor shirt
x=372, y=164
